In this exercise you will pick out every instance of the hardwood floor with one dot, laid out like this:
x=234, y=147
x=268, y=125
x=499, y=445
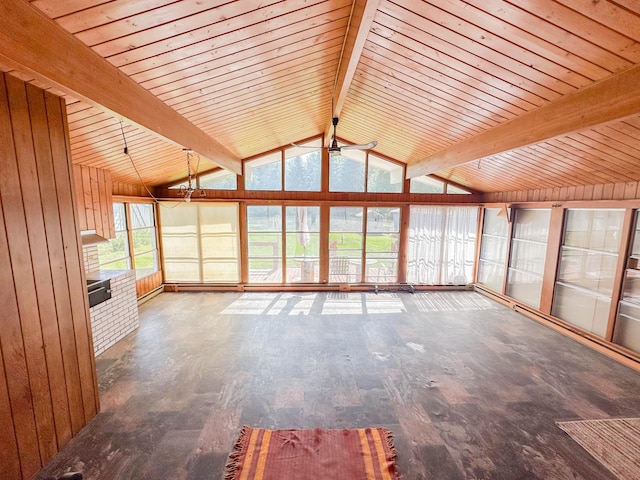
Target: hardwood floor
x=469, y=388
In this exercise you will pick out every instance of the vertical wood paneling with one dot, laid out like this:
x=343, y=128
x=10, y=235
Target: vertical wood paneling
x=45, y=195
x=603, y=191
x=244, y=242
x=63, y=173
x=110, y=227
x=26, y=236
x=554, y=240
x=48, y=388
x=9, y=451
x=13, y=346
x=148, y=284
x=82, y=217
x=324, y=241
x=94, y=194
x=104, y=206
x=403, y=243
x=87, y=199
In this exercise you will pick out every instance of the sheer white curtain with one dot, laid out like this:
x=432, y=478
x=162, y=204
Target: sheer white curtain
x=442, y=242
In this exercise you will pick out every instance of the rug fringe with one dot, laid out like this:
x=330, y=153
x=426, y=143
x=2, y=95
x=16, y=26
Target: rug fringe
x=392, y=450
x=231, y=468
x=389, y=437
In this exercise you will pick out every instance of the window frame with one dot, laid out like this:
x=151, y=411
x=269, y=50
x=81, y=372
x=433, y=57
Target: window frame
x=128, y=237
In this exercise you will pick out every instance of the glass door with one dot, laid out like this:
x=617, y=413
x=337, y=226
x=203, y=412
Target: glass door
x=302, y=244
x=264, y=252
x=345, y=244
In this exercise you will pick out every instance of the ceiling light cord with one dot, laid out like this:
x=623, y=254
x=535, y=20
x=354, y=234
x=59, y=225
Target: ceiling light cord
x=126, y=152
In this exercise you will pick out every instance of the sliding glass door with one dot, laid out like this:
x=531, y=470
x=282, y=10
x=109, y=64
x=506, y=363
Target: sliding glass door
x=302, y=244
x=588, y=259
x=264, y=252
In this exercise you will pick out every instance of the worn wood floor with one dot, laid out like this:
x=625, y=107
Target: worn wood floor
x=469, y=388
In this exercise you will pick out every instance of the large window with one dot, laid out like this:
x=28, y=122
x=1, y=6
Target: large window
x=302, y=167
x=201, y=242
x=349, y=170
x=264, y=232
x=114, y=255
x=426, y=184
x=302, y=244
x=135, y=228
x=383, y=175
x=442, y=245
x=627, y=328
x=360, y=255
x=493, y=248
x=528, y=254
x=345, y=244
x=143, y=236
x=346, y=171
x=587, y=266
x=381, y=245
x=264, y=173
x=218, y=180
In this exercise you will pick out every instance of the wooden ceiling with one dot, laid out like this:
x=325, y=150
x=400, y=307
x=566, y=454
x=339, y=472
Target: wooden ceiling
x=430, y=81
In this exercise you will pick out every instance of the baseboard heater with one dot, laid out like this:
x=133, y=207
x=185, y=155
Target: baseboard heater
x=586, y=338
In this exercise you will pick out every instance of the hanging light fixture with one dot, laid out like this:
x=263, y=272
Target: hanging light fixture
x=188, y=190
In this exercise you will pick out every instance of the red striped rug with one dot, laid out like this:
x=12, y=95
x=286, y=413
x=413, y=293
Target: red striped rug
x=363, y=454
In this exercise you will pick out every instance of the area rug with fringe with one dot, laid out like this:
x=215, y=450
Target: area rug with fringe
x=615, y=443
x=363, y=454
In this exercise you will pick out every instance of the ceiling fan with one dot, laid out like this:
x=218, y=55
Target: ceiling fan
x=334, y=148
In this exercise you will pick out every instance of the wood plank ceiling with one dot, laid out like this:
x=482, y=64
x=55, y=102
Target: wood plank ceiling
x=256, y=75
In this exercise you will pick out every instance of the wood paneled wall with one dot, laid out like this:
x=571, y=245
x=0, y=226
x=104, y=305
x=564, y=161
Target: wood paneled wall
x=148, y=284
x=130, y=190
x=94, y=197
x=48, y=387
x=603, y=191
x=334, y=197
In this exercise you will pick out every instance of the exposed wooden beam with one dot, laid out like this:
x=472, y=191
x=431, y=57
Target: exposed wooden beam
x=362, y=15
x=611, y=99
x=31, y=42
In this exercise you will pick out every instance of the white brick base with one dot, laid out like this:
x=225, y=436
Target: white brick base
x=117, y=317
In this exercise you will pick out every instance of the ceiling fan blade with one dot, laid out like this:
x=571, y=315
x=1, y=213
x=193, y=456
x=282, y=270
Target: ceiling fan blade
x=365, y=146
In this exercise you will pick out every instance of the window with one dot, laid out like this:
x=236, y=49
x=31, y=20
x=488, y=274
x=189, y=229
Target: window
x=426, y=184
x=264, y=232
x=528, y=255
x=201, y=242
x=493, y=248
x=143, y=235
x=588, y=259
x=302, y=244
x=346, y=171
x=384, y=176
x=381, y=245
x=114, y=255
x=442, y=245
x=302, y=167
x=627, y=328
x=452, y=189
x=345, y=244
x=135, y=237
x=219, y=180
x=264, y=173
